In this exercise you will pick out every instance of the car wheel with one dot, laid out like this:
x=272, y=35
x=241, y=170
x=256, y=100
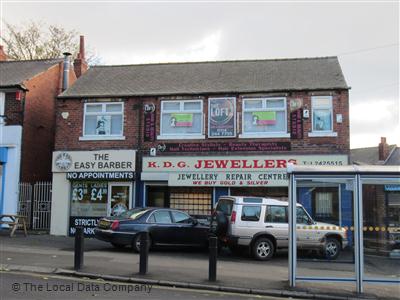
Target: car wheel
x=263, y=249
x=332, y=248
x=136, y=243
x=118, y=246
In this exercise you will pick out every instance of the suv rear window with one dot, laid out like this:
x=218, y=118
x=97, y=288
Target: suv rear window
x=225, y=206
x=251, y=213
x=276, y=214
x=252, y=200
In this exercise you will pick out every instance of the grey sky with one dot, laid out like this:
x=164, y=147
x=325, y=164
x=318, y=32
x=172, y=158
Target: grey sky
x=125, y=33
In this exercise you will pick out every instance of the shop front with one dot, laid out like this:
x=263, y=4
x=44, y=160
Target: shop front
x=194, y=183
x=89, y=185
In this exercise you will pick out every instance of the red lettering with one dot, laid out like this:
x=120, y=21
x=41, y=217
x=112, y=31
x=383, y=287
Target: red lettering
x=257, y=164
x=281, y=163
x=167, y=164
x=235, y=163
x=181, y=164
x=151, y=164
x=269, y=163
x=208, y=164
x=245, y=164
x=221, y=164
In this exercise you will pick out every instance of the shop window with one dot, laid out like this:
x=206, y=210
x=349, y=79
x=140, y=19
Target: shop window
x=394, y=209
x=264, y=117
x=181, y=119
x=251, y=213
x=325, y=203
x=195, y=203
x=103, y=120
x=322, y=116
x=276, y=214
x=89, y=199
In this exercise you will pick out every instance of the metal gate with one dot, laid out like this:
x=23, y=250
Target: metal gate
x=35, y=204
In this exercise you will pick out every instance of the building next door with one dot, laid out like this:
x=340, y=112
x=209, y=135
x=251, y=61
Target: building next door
x=119, y=197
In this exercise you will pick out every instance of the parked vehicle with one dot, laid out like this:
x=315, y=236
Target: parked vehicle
x=166, y=227
x=262, y=225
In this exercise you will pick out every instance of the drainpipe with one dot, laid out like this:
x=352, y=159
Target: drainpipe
x=66, y=71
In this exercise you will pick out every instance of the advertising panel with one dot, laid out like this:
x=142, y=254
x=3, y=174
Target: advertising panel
x=221, y=117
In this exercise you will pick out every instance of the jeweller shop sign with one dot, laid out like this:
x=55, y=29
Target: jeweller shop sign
x=233, y=170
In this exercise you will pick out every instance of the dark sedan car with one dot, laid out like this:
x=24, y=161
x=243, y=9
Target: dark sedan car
x=166, y=227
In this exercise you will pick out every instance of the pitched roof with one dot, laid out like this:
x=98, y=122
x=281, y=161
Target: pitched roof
x=14, y=73
x=209, y=77
x=370, y=156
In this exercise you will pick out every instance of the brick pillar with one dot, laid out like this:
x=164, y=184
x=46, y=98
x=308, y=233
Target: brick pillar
x=383, y=149
x=80, y=64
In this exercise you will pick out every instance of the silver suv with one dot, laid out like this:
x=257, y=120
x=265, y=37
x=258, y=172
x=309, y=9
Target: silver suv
x=262, y=225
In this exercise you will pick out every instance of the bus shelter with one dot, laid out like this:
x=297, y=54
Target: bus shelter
x=359, y=206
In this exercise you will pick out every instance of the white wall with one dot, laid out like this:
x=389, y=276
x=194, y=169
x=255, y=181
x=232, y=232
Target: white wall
x=60, y=205
x=11, y=137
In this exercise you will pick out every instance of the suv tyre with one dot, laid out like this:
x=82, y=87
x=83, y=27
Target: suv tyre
x=331, y=248
x=263, y=249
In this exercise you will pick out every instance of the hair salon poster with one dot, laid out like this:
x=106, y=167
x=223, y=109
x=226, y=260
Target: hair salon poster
x=222, y=117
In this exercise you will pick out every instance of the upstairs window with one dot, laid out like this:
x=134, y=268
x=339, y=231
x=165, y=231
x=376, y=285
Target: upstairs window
x=322, y=114
x=103, y=119
x=181, y=119
x=264, y=117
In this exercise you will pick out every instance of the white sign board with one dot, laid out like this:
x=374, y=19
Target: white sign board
x=233, y=170
x=94, y=161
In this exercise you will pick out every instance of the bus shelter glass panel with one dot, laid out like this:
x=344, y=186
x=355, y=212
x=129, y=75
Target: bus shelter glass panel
x=381, y=230
x=324, y=228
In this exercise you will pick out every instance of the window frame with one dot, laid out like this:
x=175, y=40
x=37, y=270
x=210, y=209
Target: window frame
x=247, y=220
x=88, y=137
x=273, y=134
x=181, y=136
x=268, y=212
x=317, y=133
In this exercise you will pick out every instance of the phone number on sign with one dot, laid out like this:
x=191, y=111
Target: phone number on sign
x=324, y=163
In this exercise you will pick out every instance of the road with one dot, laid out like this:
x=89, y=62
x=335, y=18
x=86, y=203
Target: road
x=34, y=286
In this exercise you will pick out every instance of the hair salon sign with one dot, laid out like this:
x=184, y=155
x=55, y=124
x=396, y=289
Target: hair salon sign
x=233, y=170
x=221, y=117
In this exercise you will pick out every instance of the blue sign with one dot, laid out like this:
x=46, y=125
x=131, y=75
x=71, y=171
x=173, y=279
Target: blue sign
x=392, y=187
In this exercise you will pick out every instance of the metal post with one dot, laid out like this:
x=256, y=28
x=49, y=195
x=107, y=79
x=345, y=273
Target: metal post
x=292, y=231
x=212, y=262
x=144, y=252
x=358, y=234
x=79, y=248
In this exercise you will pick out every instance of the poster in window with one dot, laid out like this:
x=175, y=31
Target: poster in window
x=103, y=125
x=322, y=120
x=181, y=120
x=262, y=118
x=221, y=117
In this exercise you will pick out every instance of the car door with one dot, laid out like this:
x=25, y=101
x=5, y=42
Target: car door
x=186, y=232
x=276, y=223
x=250, y=219
x=161, y=231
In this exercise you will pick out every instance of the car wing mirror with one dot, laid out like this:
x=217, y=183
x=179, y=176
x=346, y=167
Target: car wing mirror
x=194, y=222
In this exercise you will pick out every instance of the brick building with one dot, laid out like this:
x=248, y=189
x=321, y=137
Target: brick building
x=182, y=134
x=28, y=91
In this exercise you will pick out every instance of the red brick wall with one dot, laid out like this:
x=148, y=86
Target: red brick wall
x=13, y=110
x=39, y=124
x=68, y=131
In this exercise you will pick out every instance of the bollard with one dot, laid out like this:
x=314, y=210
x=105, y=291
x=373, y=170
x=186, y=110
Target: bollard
x=212, y=262
x=78, y=258
x=144, y=253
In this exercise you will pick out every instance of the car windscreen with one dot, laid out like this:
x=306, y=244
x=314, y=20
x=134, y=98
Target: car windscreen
x=134, y=214
x=225, y=206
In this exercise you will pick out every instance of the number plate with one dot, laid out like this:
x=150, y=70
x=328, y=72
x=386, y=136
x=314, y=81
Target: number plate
x=104, y=223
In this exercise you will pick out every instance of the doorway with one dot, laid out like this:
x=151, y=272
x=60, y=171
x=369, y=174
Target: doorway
x=119, y=198
x=157, y=196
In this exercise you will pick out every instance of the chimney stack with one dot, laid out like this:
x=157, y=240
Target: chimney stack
x=383, y=149
x=80, y=65
x=3, y=55
x=66, y=71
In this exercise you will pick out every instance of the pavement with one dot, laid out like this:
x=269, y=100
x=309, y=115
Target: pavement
x=189, y=268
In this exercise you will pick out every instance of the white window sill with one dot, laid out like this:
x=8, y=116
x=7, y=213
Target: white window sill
x=322, y=134
x=101, y=138
x=181, y=137
x=263, y=135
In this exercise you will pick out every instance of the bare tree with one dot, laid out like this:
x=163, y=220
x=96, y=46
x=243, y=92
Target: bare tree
x=34, y=40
